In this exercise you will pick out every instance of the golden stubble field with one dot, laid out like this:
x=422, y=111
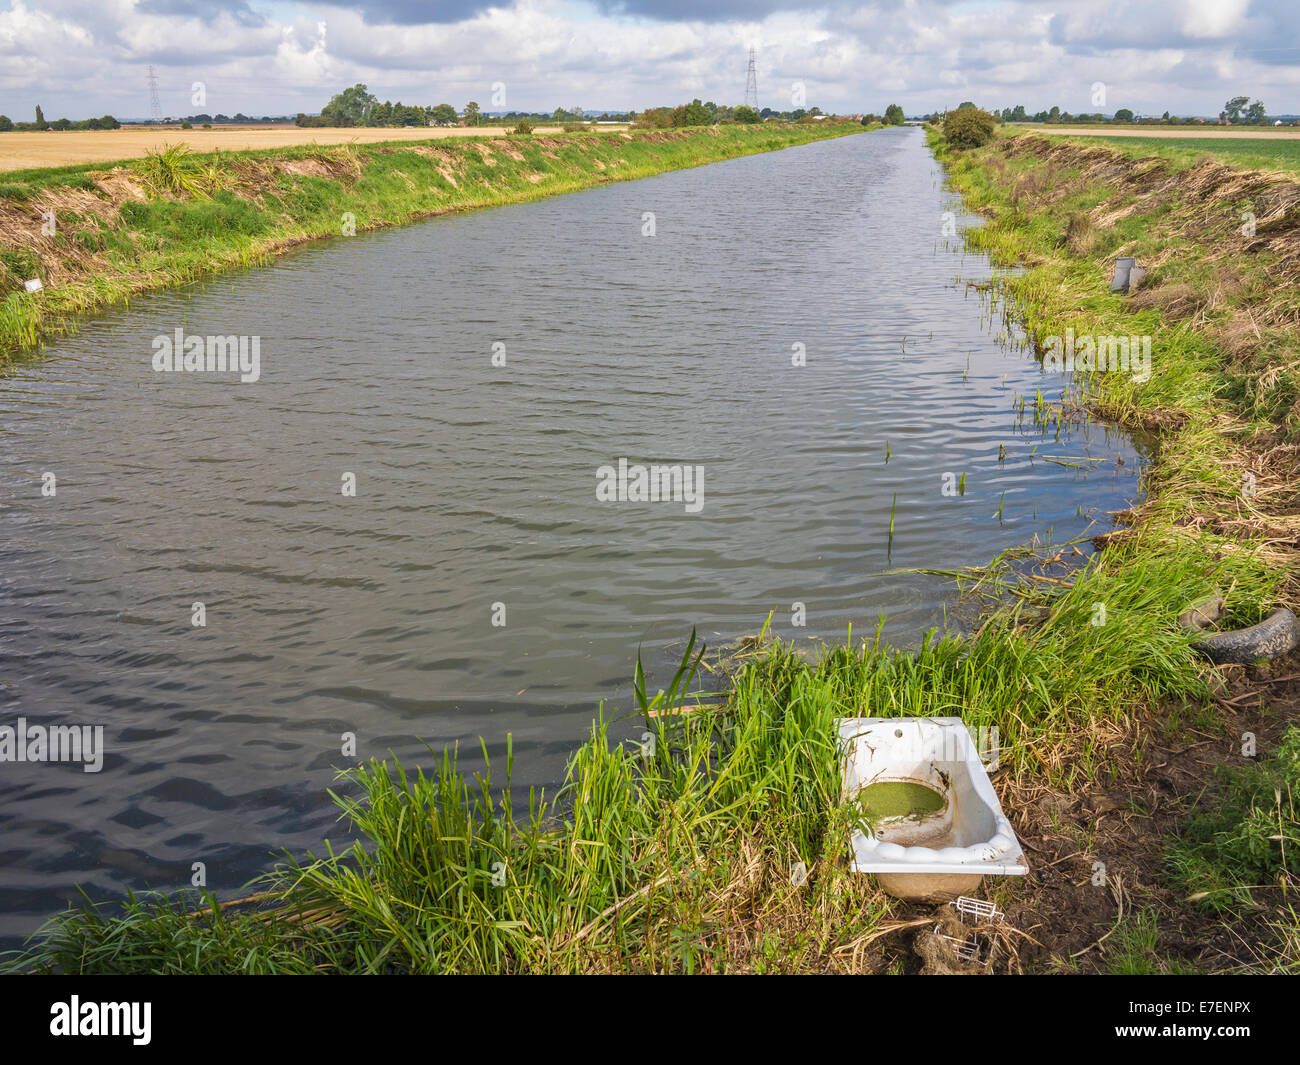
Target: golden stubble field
x=21, y=150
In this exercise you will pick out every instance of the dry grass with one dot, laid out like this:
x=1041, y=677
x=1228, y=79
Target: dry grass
x=1082, y=235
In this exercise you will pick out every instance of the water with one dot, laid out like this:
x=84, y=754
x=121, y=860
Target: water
x=476, y=485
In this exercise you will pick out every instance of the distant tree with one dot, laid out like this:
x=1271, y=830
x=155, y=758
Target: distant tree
x=1054, y=114
x=472, y=114
x=968, y=127
x=1233, y=108
x=40, y=119
x=351, y=107
x=1123, y=115
x=1018, y=114
x=443, y=114
x=894, y=115
x=6, y=123
x=696, y=114
x=109, y=122
x=964, y=105
x=1256, y=114
x=797, y=114
x=654, y=118
x=745, y=114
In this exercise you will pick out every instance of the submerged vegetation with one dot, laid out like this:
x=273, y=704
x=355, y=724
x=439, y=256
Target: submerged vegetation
x=95, y=236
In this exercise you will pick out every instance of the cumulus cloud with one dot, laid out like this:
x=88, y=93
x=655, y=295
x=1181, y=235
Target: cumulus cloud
x=283, y=56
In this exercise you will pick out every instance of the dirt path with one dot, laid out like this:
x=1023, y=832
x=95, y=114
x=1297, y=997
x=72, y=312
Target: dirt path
x=19, y=151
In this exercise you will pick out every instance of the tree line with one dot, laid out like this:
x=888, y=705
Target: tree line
x=1237, y=111
x=103, y=122
x=357, y=106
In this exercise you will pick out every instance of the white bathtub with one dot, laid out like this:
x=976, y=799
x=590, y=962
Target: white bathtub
x=946, y=852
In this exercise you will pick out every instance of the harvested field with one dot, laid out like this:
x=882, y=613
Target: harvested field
x=21, y=151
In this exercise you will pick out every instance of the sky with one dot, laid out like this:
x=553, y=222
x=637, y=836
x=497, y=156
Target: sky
x=78, y=58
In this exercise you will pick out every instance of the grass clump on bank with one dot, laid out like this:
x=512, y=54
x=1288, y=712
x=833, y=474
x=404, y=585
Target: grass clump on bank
x=672, y=856
x=177, y=215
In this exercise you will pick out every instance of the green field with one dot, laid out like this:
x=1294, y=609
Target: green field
x=1256, y=152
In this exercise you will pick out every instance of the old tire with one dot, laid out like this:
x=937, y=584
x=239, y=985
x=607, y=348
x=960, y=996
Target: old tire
x=1274, y=636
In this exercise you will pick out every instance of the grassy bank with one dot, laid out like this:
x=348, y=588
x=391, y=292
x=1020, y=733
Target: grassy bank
x=176, y=216
x=720, y=843
x=1224, y=399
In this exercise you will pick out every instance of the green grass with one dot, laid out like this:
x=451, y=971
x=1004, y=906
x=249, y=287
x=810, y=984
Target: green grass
x=1132, y=949
x=1246, y=848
